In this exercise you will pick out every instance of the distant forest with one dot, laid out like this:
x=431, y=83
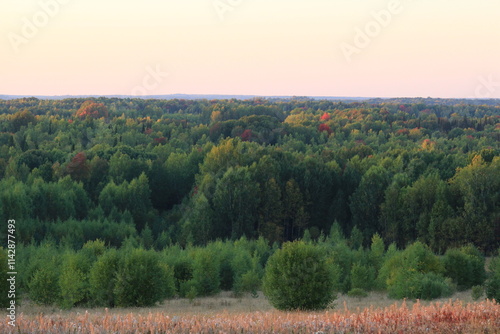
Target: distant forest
x=164, y=172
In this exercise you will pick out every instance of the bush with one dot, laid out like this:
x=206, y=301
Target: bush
x=183, y=272
x=465, y=266
x=73, y=281
x=356, y=292
x=102, y=279
x=420, y=286
x=206, y=272
x=493, y=282
x=477, y=292
x=142, y=280
x=44, y=287
x=432, y=286
x=188, y=289
x=415, y=273
x=362, y=277
x=298, y=277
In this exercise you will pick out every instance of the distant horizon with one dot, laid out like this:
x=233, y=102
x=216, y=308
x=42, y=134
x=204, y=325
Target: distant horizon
x=231, y=96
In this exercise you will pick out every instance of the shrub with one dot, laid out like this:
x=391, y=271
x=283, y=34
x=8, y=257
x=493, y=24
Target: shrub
x=493, y=282
x=465, y=266
x=183, y=271
x=357, y=292
x=362, y=277
x=420, y=286
x=298, y=277
x=102, y=279
x=141, y=279
x=44, y=287
x=250, y=282
x=206, y=272
x=477, y=292
x=73, y=280
x=432, y=286
x=415, y=273
x=188, y=289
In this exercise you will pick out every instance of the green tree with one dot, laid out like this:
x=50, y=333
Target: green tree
x=102, y=279
x=236, y=201
x=493, y=282
x=298, y=277
x=465, y=266
x=367, y=199
x=142, y=280
x=271, y=212
x=478, y=183
x=206, y=272
x=295, y=216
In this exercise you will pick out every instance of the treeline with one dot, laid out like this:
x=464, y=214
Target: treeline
x=97, y=275
x=190, y=172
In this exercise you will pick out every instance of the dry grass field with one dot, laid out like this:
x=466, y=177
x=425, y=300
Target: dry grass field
x=226, y=314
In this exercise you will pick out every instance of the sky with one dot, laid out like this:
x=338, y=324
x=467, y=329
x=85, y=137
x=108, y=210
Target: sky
x=356, y=48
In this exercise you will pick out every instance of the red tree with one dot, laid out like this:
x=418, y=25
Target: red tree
x=246, y=135
x=323, y=127
x=78, y=167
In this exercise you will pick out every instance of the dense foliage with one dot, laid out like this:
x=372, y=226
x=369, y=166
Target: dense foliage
x=298, y=277
x=191, y=171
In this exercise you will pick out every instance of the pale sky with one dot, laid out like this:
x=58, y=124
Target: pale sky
x=437, y=48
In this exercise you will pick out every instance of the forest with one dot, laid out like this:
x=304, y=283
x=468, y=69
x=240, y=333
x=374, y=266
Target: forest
x=164, y=172
x=387, y=196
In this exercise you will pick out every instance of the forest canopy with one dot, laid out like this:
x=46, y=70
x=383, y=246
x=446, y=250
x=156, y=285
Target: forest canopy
x=165, y=172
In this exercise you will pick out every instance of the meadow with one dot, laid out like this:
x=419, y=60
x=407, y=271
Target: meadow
x=224, y=313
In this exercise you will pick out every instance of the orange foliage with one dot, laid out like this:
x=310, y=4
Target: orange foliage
x=451, y=317
x=92, y=109
x=325, y=117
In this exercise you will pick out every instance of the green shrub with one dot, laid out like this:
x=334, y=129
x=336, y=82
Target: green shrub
x=188, y=288
x=44, y=286
x=433, y=286
x=477, y=292
x=142, y=280
x=102, y=279
x=206, y=272
x=358, y=293
x=493, y=282
x=73, y=280
x=298, y=277
x=415, y=273
x=465, y=266
x=241, y=264
x=362, y=277
x=250, y=282
x=183, y=271
x=343, y=258
x=415, y=285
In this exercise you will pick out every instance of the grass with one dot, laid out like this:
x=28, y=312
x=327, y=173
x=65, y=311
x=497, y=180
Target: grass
x=226, y=302
x=225, y=313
